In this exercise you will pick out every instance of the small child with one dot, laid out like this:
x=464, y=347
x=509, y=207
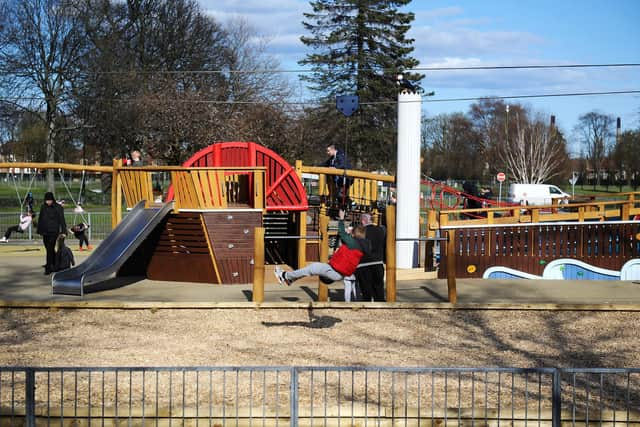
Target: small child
x=350, y=288
x=79, y=231
x=64, y=256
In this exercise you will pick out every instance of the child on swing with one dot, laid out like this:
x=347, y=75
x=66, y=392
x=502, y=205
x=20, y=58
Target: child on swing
x=79, y=230
x=25, y=223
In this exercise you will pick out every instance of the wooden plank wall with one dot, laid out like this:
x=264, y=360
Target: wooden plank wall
x=231, y=235
x=181, y=252
x=136, y=187
x=530, y=248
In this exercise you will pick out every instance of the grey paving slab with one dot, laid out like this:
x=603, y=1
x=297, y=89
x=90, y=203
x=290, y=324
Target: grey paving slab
x=23, y=284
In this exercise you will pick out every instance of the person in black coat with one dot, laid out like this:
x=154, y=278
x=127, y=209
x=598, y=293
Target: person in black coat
x=51, y=224
x=370, y=272
x=338, y=159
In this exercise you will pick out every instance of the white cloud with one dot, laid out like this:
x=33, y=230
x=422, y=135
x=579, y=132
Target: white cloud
x=279, y=21
x=439, y=13
x=463, y=41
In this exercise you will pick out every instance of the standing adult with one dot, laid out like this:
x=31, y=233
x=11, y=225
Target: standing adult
x=337, y=159
x=370, y=272
x=51, y=224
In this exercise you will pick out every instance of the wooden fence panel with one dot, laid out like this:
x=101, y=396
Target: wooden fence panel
x=531, y=248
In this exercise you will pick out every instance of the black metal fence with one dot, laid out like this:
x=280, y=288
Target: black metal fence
x=319, y=396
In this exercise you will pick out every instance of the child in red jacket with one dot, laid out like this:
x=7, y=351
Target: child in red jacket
x=342, y=264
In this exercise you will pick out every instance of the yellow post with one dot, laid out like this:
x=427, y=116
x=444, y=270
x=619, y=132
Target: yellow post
x=298, y=166
x=322, y=184
x=258, y=265
x=116, y=194
x=323, y=290
x=259, y=201
x=625, y=211
x=516, y=214
x=432, y=222
x=451, y=267
x=444, y=219
x=535, y=215
x=302, y=243
x=391, y=253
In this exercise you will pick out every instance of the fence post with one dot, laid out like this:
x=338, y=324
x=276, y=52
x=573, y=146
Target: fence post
x=257, y=295
x=302, y=243
x=323, y=290
x=293, y=398
x=556, y=402
x=30, y=397
x=451, y=267
x=391, y=253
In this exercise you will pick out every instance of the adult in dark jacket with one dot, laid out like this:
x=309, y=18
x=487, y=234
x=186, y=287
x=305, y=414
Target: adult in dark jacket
x=370, y=272
x=51, y=224
x=337, y=159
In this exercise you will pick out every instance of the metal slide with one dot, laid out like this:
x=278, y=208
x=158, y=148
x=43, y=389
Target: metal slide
x=112, y=253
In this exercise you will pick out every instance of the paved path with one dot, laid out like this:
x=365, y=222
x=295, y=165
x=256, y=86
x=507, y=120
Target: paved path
x=22, y=284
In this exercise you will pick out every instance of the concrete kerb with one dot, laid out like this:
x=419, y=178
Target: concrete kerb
x=336, y=305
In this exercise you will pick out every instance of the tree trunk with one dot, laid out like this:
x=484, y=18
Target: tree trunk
x=50, y=148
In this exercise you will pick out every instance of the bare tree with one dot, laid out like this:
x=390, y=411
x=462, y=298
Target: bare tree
x=625, y=158
x=535, y=154
x=596, y=134
x=252, y=72
x=40, y=44
x=167, y=78
x=452, y=148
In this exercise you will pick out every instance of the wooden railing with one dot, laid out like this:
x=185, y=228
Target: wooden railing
x=364, y=191
x=192, y=188
x=622, y=209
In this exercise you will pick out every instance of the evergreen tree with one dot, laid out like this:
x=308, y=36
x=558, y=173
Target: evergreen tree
x=359, y=47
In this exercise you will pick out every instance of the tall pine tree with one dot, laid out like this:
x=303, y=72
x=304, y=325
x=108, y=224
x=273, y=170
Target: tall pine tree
x=359, y=47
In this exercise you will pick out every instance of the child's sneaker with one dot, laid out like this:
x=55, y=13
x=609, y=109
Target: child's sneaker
x=4, y=240
x=279, y=273
x=89, y=247
x=81, y=249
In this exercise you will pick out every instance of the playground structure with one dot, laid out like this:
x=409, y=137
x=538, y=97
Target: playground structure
x=205, y=230
x=234, y=206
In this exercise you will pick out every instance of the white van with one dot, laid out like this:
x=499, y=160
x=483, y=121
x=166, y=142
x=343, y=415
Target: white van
x=535, y=194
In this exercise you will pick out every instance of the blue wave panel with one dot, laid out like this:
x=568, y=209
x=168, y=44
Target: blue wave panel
x=575, y=272
x=503, y=275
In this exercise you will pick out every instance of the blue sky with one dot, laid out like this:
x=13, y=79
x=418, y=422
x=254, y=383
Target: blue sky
x=495, y=33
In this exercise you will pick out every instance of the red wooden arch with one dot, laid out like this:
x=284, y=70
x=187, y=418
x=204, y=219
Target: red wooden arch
x=284, y=190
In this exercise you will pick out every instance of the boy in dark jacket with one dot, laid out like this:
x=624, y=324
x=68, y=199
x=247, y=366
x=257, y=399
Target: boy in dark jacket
x=51, y=224
x=64, y=256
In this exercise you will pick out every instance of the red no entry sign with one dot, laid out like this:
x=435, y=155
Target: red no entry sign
x=501, y=177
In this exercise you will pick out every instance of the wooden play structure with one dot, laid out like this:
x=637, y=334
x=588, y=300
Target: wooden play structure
x=224, y=197
x=234, y=206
